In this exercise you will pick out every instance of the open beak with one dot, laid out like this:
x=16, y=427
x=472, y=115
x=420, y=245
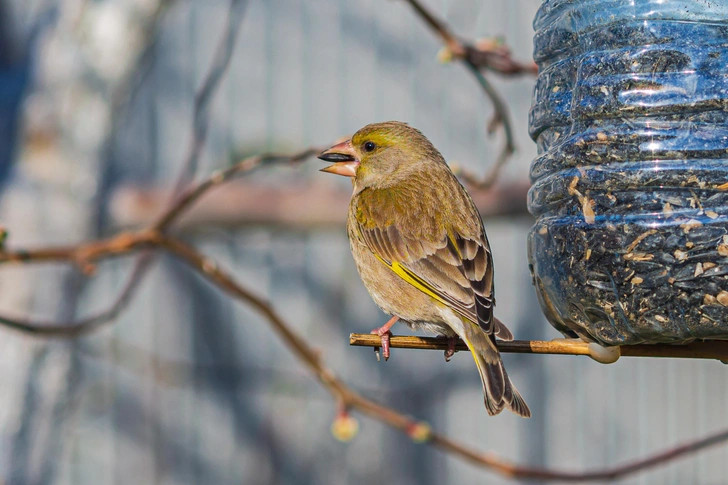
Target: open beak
x=344, y=158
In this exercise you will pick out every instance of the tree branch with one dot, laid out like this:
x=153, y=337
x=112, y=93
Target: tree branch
x=487, y=54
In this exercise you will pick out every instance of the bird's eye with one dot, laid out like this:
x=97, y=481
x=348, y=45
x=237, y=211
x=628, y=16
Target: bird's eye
x=369, y=146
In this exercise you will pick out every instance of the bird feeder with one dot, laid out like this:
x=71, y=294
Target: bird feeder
x=630, y=186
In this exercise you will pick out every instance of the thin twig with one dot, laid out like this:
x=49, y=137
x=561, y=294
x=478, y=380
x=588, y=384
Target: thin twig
x=484, y=55
x=510, y=470
x=501, y=117
x=86, y=325
x=193, y=193
x=204, y=96
x=128, y=86
x=488, y=54
x=85, y=254
x=448, y=38
x=713, y=349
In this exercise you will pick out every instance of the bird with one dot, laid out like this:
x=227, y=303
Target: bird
x=420, y=248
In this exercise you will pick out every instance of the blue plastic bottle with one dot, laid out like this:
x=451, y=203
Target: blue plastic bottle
x=630, y=187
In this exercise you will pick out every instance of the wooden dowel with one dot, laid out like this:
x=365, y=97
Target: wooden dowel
x=716, y=349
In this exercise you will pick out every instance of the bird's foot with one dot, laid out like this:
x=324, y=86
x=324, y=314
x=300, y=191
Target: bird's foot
x=450, y=351
x=385, y=343
x=384, y=333
x=451, y=342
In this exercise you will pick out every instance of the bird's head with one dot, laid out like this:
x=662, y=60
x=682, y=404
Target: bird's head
x=380, y=154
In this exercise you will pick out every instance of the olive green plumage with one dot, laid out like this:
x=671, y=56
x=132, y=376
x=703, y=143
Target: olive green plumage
x=421, y=250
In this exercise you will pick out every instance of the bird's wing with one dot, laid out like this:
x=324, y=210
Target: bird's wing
x=436, y=258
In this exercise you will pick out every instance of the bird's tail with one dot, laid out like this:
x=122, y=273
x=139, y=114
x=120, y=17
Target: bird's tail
x=497, y=388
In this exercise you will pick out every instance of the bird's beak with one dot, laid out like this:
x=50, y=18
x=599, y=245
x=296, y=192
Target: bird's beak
x=344, y=158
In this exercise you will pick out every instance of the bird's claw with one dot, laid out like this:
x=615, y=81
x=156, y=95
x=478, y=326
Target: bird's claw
x=450, y=351
x=384, y=334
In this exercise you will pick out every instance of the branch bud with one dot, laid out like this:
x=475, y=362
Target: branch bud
x=344, y=427
x=419, y=432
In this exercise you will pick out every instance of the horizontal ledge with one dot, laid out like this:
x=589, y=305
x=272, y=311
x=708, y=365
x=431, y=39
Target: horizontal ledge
x=715, y=349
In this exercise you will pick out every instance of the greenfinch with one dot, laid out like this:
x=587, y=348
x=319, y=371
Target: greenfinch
x=420, y=247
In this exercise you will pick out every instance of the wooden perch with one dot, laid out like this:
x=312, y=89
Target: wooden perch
x=715, y=349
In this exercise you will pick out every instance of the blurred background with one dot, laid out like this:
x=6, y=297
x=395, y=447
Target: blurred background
x=101, y=107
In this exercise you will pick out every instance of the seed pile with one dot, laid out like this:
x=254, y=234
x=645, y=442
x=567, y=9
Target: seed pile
x=634, y=282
